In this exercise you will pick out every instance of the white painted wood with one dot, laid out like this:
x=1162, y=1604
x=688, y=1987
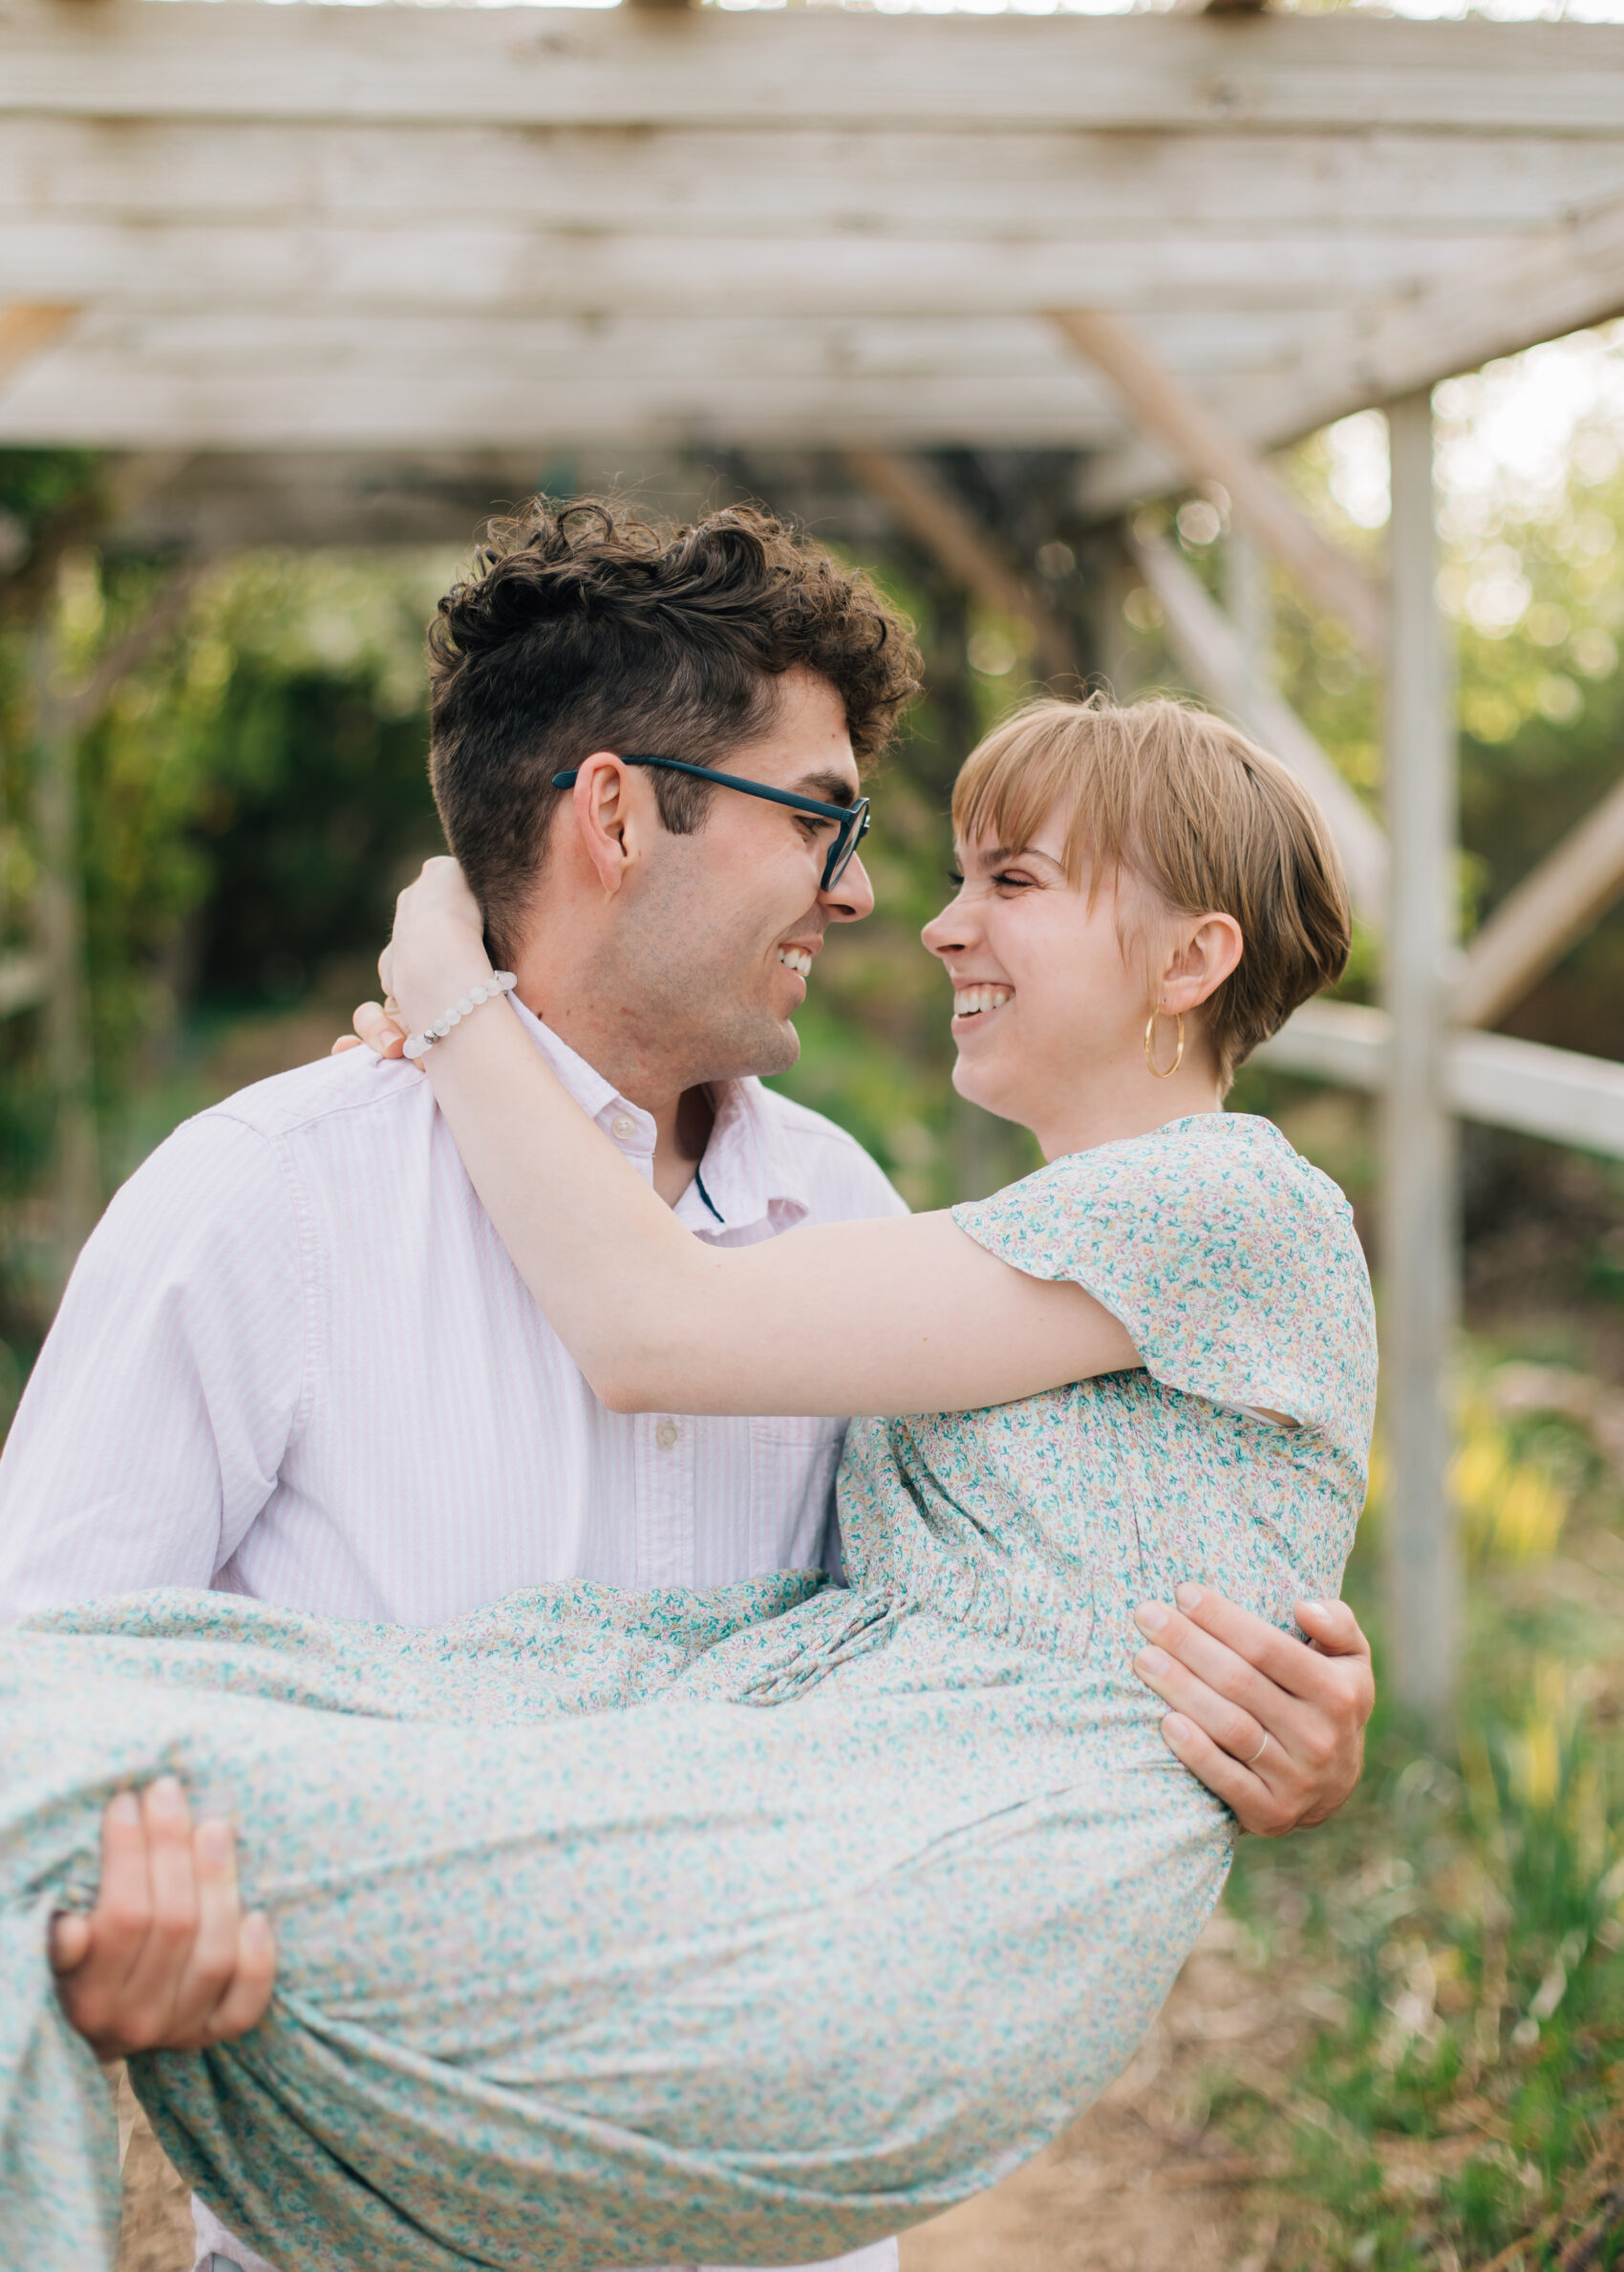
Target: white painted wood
x=64, y=401
x=1420, y=1233
x=1506, y=1084
x=1568, y=276
x=1206, y=644
x=22, y=983
x=60, y=931
x=1250, y=604
x=450, y=268
x=230, y=60
x=976, y=180
x=1341, y=1041
x=1160, y=405
x=1535, y=925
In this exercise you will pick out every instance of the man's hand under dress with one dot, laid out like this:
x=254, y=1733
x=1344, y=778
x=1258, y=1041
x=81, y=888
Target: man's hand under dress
x=166, y=1959
x=1272, y=1725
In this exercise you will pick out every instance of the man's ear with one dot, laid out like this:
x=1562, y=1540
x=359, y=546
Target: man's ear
x=601, y=812
x=1202, y=951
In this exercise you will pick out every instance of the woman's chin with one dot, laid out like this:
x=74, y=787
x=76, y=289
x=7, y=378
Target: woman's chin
x=976, y=1087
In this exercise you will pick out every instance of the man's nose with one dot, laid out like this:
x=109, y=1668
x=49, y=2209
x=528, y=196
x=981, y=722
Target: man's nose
x=850, y=897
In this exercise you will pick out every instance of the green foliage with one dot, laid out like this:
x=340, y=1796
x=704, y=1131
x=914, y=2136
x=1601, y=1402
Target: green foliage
x=1457, y=1934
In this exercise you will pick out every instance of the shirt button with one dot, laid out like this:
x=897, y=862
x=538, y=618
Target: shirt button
x=623, y=1126
x=666, y=1434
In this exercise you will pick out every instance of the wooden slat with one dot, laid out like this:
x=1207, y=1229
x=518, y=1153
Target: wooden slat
x=1420, y=1239
x=124, y=59
x=1565, y=278
x=1553, y=1093
x=446, y=267
x=27, y=330
x=22, y=983
x=1208, y=650
x=387, y=406
x=975, y=182
x=1535, y=925
x=1160, y=405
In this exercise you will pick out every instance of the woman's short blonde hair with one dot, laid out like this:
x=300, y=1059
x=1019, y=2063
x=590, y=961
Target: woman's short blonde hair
x=1191, y=809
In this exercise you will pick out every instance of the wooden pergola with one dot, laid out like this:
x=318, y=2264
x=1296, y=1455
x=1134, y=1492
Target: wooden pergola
x=325, y=272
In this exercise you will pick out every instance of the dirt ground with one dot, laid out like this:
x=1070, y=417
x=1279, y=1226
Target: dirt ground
x=1135, y=2186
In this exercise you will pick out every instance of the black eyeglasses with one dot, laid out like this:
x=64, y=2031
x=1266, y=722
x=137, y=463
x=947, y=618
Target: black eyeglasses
x=851, y=821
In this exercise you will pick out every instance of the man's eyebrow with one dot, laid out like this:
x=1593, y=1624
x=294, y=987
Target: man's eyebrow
x=830, y=788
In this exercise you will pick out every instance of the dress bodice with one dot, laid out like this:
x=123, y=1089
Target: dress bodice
x=1235, y=1267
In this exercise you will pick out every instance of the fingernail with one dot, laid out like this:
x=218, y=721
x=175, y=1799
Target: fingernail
x=256, y=1929
x=1153, y=1663
x=1189, y=1596
x=126, y=1808
x=166, y=1798
x=1176, y=1729
x=1316, y=1608
x=1150, y=1617
x=214, y=1840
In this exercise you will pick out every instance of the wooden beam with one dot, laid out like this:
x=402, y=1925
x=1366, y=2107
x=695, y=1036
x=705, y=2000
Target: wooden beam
x=1421, y=1232
x=22, y=983
x=1207, y=647
x=1552, y=1093
x=977, y=181
x=27, y=330
x=1534, y=926
x=495, y=266
x=1568, y=275
x=382, y=407
x=59, y=934
x=946, y=530
x=193, y=59
x=1212, y=451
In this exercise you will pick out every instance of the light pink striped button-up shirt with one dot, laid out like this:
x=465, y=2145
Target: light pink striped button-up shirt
x=295, y=1362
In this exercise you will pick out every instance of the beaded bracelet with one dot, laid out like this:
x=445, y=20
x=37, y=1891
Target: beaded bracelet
x=499, y=983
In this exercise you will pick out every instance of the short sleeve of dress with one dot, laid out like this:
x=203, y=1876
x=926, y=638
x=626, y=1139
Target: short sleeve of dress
x=1233, y=1263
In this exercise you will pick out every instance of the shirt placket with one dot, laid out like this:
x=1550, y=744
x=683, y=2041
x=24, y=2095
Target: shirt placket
x=666, y=1464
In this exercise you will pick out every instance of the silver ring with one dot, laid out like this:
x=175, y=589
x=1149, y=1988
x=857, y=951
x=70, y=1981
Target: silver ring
x=1258, y=1753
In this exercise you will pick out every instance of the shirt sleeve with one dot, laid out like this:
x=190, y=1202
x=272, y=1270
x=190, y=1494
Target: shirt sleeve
x=1234, y=1264
x=154, y=1424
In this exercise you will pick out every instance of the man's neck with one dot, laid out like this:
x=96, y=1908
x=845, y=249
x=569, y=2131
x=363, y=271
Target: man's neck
x=683, y=1117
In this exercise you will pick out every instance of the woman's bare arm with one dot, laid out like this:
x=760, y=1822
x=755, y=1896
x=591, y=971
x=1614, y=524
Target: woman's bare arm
x=877, y=1317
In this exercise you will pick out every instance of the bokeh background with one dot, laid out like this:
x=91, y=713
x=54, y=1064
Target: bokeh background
x=1403, y=2043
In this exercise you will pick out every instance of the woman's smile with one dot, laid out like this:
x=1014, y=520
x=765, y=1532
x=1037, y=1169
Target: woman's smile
x=975, y=1002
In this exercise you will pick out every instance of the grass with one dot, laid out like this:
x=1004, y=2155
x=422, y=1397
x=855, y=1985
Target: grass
x=1454, y=1941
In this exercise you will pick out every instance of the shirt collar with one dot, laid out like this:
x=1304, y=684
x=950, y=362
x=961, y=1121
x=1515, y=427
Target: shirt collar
x=748, y=1175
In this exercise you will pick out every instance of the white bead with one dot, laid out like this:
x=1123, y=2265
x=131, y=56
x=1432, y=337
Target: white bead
x=453, y=1017
x=440, y=1029
x=465, y=1006
x=480, y=994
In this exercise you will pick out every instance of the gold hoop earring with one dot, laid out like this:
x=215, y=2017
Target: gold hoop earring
x=1151, y=1043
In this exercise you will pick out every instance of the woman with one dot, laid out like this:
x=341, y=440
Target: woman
x=690, y=1977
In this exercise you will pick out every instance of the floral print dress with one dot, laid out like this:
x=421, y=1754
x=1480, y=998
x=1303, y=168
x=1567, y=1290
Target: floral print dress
x=733, y=1927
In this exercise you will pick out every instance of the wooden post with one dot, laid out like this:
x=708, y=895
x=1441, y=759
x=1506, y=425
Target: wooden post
x=1250, y=604
x=59, y=919
x=1420, y=1240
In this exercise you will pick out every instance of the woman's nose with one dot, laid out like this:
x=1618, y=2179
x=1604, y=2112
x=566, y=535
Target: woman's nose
x=950, y=931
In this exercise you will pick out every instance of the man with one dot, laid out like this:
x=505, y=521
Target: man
x=295, y=1362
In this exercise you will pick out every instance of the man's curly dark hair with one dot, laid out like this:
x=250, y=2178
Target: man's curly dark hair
x=580, y=627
